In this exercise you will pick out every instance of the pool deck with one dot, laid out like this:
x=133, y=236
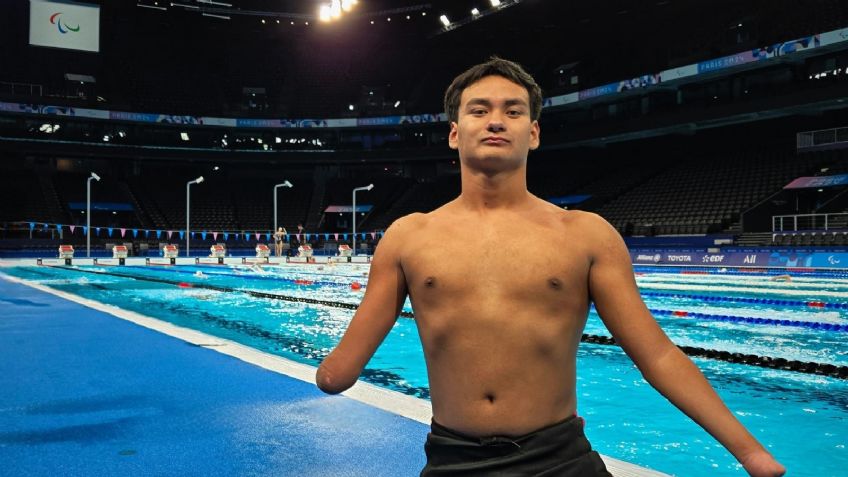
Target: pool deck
x=87, y=394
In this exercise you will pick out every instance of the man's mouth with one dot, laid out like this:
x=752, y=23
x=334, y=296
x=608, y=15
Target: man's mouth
x=495, y=140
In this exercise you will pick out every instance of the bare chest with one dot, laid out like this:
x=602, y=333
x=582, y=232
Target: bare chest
x=510, y=262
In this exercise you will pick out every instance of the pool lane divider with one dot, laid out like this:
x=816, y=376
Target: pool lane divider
x=831, y=370
x=276, y=278
x=761, y=301
x=823, y=369
x=750, y=320
x=206, y=286
x=713, y=270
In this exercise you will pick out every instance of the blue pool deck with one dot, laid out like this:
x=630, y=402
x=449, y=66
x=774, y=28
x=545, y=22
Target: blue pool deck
x=88, y=389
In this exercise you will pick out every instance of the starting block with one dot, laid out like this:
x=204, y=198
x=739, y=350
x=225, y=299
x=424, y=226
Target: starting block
x=120, y=252
x=345, y=252
x=305, y=250
x=262, y=251
x=170, y=252
x=218, y=251
x=66, y=252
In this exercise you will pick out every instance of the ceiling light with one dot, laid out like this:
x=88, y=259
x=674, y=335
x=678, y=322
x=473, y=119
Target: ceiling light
x=475, y=12
x=324, y=13
x=495, y=3
x=444, y=20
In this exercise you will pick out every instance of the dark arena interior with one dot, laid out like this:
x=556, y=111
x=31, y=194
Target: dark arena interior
x=676, y=161
x=710, y=134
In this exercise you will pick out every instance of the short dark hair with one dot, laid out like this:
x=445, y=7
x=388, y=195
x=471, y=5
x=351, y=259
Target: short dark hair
x=494, y=67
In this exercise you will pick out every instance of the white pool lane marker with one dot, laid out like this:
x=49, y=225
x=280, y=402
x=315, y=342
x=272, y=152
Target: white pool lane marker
x=380, y=398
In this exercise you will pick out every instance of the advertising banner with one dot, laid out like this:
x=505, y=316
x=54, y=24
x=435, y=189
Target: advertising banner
x=776, y=259
x=817, y=182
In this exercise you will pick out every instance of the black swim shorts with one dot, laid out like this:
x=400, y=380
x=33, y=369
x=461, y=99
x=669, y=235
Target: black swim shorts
x=559, y=450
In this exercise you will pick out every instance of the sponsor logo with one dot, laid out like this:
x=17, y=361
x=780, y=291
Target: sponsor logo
x=56, y=19
x=712, y=258
x=832, y=260
x=679, y=258
x=750, y=259
x=648, y=258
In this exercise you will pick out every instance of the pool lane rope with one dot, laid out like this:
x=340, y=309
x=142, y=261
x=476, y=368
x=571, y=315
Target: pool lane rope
x=762, y=301
x=750, y=320
x=743, y=271
x=808, y=367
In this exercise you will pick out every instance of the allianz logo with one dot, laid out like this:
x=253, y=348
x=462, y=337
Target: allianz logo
x=649, y=258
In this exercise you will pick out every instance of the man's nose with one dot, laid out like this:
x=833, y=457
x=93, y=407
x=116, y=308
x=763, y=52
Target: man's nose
x=495, y=125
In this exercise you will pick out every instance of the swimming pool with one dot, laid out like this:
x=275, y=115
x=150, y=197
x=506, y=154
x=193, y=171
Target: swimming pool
x=300, y=312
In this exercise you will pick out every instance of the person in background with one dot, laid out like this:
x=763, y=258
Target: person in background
x=278, y=241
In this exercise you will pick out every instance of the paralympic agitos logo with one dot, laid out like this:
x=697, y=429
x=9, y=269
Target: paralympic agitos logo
x=56, y=19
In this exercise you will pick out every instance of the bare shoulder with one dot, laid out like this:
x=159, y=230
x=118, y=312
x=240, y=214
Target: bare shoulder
x=590, y=220
x=401, y=230
x=594, y=228
x=406, y=224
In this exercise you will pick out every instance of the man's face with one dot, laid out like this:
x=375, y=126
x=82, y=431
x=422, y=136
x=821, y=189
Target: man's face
x=493, y=129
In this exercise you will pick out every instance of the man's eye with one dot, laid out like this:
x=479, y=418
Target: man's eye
x=514, y=112
x=478, y=111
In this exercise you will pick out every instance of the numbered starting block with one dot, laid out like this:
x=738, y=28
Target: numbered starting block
x=66, y=252
x=304, y=255
x=218, y=251
x=170, y=252
x=262, y=251
x=120, y=252
x=345, y=252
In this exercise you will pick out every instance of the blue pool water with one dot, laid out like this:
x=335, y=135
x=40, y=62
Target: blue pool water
x=801, y=418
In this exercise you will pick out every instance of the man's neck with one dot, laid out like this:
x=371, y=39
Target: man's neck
x=503, y=190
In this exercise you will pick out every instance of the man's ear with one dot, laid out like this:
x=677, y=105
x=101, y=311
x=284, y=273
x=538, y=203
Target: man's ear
x=452, y=136
x=534, y=135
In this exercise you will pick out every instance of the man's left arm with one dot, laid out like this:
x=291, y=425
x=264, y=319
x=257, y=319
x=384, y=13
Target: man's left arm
x=613, y=289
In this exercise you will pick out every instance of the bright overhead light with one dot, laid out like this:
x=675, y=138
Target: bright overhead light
x=324, y=13
x=495, y=3
x=475, y=12
x=184, y=136
x=347, y=5
x=350, y=107
x=444, y=20
x=397, y=103
x=336, y=9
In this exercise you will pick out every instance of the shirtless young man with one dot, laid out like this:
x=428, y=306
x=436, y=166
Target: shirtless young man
x=500, y=337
